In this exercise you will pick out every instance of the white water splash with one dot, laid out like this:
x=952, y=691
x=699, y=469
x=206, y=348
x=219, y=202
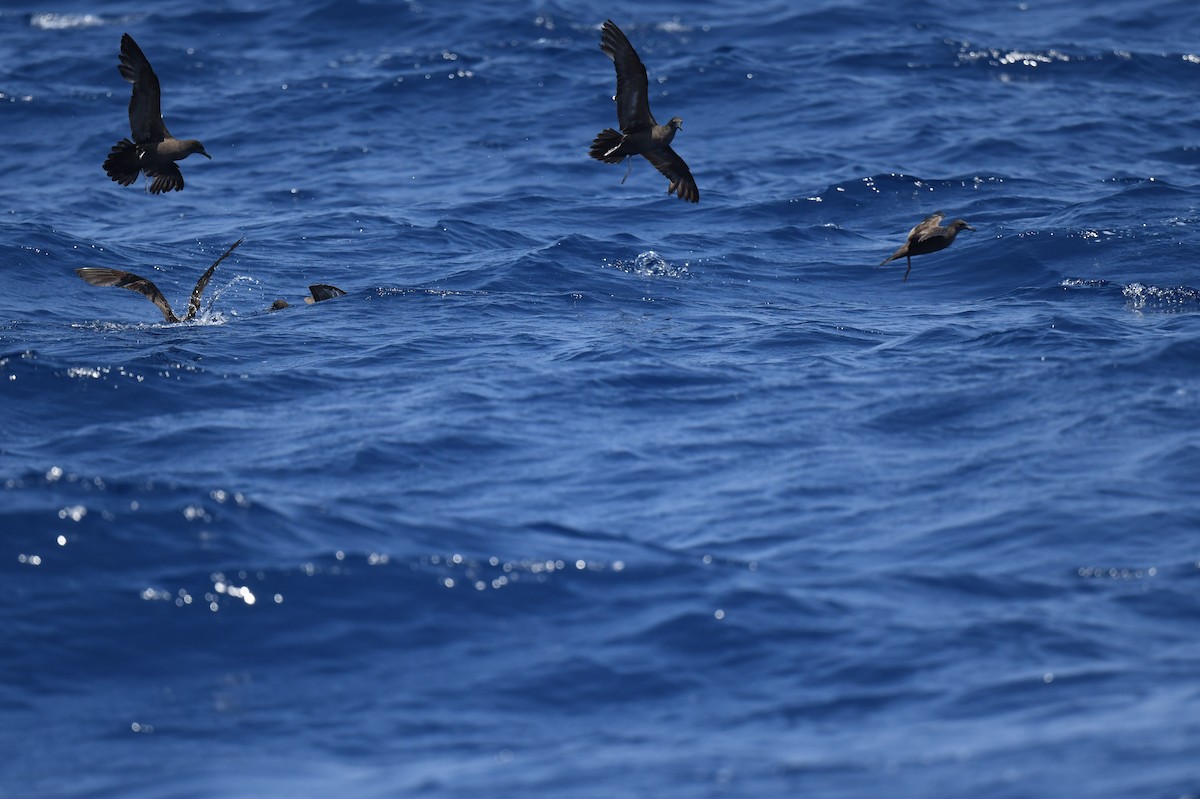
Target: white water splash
x=1176, y=299
x=58, y=22
x=651, y=264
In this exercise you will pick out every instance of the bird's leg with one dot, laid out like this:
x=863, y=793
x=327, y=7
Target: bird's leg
x=628, y=169
x=906, y=271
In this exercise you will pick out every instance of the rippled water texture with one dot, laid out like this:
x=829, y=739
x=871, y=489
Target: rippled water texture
x=581, y=490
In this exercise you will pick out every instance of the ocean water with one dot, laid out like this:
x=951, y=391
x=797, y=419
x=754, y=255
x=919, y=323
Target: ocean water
x=582, y=490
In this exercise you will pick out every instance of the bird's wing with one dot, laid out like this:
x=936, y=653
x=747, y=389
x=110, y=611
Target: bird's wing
x=128, y=280
x=668, y=162
x=202, y=283
x=322, y=291
x=145, y=106
x=633, y=103
x=926, y=226
x=167, y=177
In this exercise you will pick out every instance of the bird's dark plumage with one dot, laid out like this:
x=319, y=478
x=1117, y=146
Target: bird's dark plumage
x=927, y=236
x=323, y=291
x=151, y=148
x=318, y=292
x=639, y=134
x=128, y=280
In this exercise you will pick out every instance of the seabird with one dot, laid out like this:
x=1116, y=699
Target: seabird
x=153, y=149
x=323, y=291
x=640, y=134
x=318, y=292
x=128, y=280
x=928, y=236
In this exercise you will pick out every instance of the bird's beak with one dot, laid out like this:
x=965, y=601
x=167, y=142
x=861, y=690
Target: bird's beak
x=968, y=227
x=206, y=155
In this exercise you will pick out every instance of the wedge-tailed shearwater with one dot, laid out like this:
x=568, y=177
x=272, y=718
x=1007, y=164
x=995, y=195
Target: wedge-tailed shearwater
x=928, y=236
x=640, y=134
x=153, y=149
x=128, y=280
x=317, y=293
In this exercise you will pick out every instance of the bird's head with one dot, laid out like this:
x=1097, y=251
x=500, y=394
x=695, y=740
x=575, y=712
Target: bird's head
x=960, y=224
x=196, y=147
x=676, y=123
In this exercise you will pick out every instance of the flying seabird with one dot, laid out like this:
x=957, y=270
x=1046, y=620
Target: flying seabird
x=317, y=292
x=128, y=280
x=153, y=149
x=640, y=134
x=928, y=236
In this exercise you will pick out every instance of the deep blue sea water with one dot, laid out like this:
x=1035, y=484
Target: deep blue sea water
x=581, y=490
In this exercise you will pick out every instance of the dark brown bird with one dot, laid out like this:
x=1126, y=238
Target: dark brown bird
x=153, y=149
x=317, y=293
x=323, y=291
x=928, y=236
x=640, y=134
x=128, y=280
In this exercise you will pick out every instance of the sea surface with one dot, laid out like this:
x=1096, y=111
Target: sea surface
x=583, y=491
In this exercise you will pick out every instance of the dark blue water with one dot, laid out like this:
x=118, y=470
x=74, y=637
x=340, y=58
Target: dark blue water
x=582, y=490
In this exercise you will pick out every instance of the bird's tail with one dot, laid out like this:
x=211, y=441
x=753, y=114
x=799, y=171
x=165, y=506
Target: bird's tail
x=603, y=144
x=897, y=254
x=122, y=162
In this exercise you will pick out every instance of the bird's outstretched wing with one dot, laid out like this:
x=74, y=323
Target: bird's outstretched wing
x=926, y=226
x=167, y=177
x=128, y=280
x=668, y=162
x=145, y=106
x=202, y=283
x=633, y=103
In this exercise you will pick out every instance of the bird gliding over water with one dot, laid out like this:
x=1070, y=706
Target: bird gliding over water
x=153, y=149
x=640, y=134
x=927, y=236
